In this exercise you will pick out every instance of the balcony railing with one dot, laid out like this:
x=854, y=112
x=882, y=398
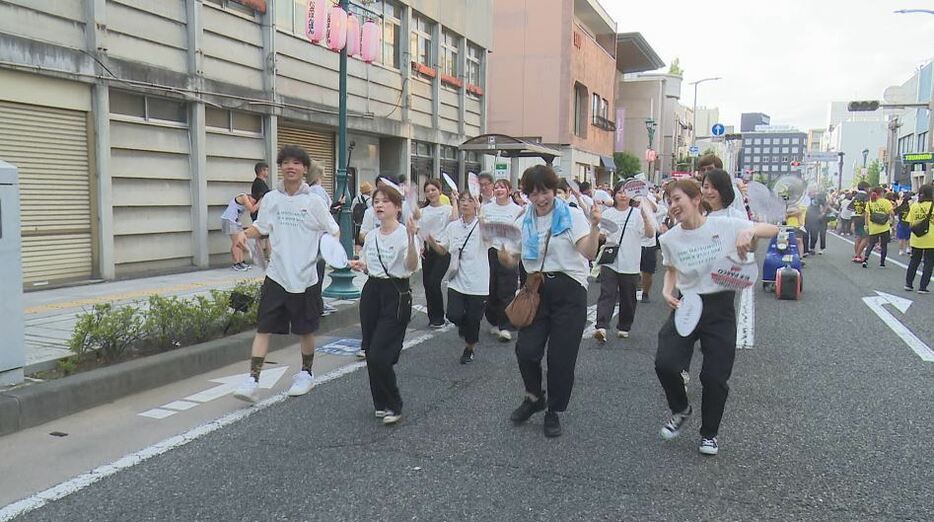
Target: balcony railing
x=603, y=123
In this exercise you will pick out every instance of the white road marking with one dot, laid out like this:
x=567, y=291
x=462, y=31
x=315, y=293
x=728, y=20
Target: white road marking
x=180, y=405
x=746, y=322
x=591, y=322
x=62, y=490
x=157, y=413
x=267, y=379
x=876, y=303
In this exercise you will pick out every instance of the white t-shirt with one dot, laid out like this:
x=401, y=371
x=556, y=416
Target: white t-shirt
x=845, y=211
x=496, y=213
x=694, y=252
x=295, y=225
x=650, y=241
x=630, y=252
x=435, y=219
x=319, y=191
x=731, y=212
x=370, y=222
x=473, y=272
x=562, y=255
x=392, y=249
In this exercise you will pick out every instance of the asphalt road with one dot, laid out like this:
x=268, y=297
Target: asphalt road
x=828, y=419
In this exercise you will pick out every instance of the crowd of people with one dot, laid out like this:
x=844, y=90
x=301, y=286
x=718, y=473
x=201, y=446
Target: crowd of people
x=548, y=237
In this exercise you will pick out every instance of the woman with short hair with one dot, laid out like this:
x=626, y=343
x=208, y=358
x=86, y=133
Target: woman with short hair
x=558, y=242
x=390, y=256
x=434, y=263
x=504, y=280
x=922, y=247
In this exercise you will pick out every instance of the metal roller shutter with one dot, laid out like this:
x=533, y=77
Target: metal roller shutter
x=318, y=144
x=50, y=148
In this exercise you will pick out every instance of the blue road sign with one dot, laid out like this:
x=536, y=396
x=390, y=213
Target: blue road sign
x=718, y=129
x=694, y=151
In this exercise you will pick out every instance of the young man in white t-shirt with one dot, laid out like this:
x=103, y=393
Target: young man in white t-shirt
x=294, y=218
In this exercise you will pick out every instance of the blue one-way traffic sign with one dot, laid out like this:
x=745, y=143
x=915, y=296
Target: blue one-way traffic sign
x=718, y=129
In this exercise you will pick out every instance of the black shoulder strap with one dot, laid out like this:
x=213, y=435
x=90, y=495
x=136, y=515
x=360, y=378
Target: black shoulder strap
x=621, y=234
x=460, y=252
x=379, y=255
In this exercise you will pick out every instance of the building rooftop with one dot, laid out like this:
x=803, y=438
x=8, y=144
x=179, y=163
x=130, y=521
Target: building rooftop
x=634, y=54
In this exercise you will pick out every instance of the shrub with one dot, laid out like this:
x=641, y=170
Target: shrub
x=166, y=324
x=107, y=332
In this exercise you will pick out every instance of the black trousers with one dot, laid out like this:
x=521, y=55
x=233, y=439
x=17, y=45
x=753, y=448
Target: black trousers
x=466, y=312
x=504, y=281
x=433, y=269
x=818, y=232
x=382, y=333
x=557, y=330
x=883, y=240
x=717, y=334
x=615, y=286
x=917, y=254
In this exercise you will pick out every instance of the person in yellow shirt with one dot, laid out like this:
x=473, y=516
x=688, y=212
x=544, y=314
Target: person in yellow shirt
x=880, y=215
x=794, y=217
x=445, y=200
x=922, y=247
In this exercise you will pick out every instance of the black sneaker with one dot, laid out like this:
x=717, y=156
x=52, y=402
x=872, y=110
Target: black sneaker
x=924, y=291
x=672, y=428
x=552, y=425
x=527, y=409
x=467, y=356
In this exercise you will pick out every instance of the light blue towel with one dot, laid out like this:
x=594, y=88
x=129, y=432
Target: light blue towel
x=560, y=222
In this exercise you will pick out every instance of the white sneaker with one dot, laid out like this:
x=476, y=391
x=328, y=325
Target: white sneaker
x=494, y=331
x=302, y=383
x=672, y=428
x=248, y=391
x=686, y=377
x=709, y=446
x=380, y=414
x=361, y=354
x=622, y=334
x=600, y=335
x=505, y=336
x=391, y=417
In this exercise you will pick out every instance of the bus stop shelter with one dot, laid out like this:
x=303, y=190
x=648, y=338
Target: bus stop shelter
x=501, y=145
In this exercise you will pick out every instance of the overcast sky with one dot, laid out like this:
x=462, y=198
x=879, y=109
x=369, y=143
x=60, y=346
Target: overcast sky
x=786, y=58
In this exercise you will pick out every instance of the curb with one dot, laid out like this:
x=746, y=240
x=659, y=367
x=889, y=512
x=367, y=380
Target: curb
x=32, y=405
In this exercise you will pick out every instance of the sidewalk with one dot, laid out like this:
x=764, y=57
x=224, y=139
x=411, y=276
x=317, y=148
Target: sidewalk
x=51, y=315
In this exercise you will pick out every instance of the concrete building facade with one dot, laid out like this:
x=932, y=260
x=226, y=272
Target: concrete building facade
x=770, y=151
x=653, y=96
x=134, y=122
x=552, y=80
x=852, y=133
x=748, y=121
x=910, y=129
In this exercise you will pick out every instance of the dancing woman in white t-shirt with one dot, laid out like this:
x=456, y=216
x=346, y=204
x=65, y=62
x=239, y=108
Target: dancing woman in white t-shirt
x=690, y=250
x=435, y=264
x=619, y=278
x=390, y=256
x=504, y=280
x=558, y=241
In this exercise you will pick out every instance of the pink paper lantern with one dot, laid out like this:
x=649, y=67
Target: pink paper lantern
x=353, y=36
x=370, y=41
x=337, y=29
x=316, y=20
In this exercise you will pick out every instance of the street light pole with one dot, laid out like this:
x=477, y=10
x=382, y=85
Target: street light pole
x=694, y=118
x=840, y=172
x=342, y=279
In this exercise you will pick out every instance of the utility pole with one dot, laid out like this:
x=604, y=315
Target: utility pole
x=694, y=116
x=840, y=171
x=342, y=279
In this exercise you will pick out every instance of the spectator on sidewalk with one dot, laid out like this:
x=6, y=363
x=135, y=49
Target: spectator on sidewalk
x=294, y=219
x=260, y=185
x=232, y=227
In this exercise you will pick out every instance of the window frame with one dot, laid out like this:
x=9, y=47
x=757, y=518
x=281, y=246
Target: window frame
x=419, y=36
x=147, y=116
x=450, y=51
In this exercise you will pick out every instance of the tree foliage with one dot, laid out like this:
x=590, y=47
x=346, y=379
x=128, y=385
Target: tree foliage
x=872, y=175
x=675, y=68
x=627, y=164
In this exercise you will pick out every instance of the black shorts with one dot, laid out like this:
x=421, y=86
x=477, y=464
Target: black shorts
x=281, y=312
x=649, y=262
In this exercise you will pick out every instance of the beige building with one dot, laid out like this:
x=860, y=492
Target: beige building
x=552, y=78
x=655, y=97
x=134, y=122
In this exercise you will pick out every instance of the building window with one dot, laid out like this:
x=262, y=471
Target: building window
x=448, y=152
x=392, y=27
x=422, y=149
x=474, y=57
x=233, y=6
x=767, y=141
x=757, y=150
x=786, y=141
x=786, y=150
x=580, y=110
x=233, y=121
x=449, y=44
x=784, y=168
x=148, y=108
x=757, y=159
x=794, y=141
x=604, y=109
x=923, y=141
x=755, y=141
x=420, y=43
x=595, y=107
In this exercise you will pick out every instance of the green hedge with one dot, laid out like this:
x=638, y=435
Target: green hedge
x=109, y=333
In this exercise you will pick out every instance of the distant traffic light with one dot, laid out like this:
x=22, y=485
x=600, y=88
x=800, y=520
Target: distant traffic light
x=863, y=106
x=733, y=137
